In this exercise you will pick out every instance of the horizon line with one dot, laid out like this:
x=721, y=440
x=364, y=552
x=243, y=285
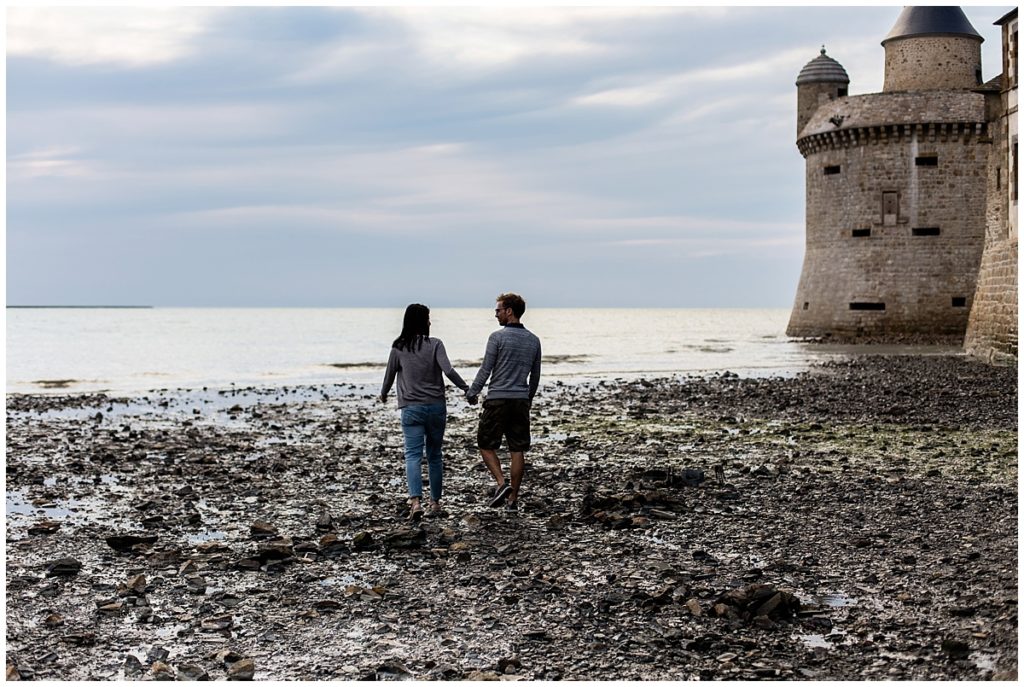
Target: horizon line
x=396, y=307
x=10, y=307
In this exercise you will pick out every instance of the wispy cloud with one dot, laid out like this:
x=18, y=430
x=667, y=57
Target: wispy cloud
x=49, y=162
x=682, y=87
x=484, y=37
x=127, y=36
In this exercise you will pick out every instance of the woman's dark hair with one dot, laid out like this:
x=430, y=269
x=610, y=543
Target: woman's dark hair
x=415, y=326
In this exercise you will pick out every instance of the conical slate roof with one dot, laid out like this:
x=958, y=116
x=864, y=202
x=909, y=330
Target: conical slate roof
x=822, y=68
x=932, y=21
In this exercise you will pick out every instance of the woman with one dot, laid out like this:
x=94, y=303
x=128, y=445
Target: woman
x=418, y=360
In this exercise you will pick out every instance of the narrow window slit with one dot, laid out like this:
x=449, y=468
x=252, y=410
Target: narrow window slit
x=925, y=231
x=860, y=305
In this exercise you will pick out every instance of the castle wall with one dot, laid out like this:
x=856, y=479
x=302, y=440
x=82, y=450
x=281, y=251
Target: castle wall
x=921, y=63
x=885, y=230
x=992, y=329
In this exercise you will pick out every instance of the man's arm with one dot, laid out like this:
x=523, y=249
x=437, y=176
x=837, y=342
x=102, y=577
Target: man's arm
x=535, y=373
x=490, y=357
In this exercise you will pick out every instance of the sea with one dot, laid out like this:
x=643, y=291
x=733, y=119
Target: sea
x=136, y=350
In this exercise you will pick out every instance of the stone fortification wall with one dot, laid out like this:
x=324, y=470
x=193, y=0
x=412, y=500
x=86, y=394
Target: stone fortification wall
x=894, y=232
x=920, y=63
x=992, y=329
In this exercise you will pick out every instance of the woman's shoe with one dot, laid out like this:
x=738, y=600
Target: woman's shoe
x=415, y=512
x=434, y=509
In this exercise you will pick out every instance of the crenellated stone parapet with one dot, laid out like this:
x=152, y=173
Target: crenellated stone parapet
x=930, y=132
x=881, y=117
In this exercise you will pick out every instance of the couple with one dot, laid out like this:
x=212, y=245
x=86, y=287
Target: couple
x=511, y=361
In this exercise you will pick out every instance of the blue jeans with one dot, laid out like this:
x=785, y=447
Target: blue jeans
x=423, y=427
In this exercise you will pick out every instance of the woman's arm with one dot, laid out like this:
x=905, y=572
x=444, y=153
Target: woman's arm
x=441, y=356
x=389, y=374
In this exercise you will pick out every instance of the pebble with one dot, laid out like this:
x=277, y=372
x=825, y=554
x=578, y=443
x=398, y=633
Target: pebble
x=125, y=542
x=63, y=567
x=217, y=623
x=242, y=669
x=192, y=672
x=161, y=671
x=956, y=649
x=260, y=529
x=132, y=666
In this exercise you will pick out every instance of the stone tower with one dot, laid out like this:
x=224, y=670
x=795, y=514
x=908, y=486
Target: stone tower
x=895, y=187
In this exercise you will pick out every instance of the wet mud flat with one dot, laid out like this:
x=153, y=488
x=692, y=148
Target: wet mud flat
x=855, y=522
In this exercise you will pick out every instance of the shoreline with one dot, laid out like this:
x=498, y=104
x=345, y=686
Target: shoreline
x=820, y=353
x=881, y=493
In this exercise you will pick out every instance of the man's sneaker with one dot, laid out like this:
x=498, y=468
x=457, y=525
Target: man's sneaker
x=512, y=507
x=499, y=494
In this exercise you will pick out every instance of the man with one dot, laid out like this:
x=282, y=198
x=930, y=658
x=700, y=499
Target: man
x=512, y=362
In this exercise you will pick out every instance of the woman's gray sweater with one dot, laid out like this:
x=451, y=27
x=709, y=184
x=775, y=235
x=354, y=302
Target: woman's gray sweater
x=419, y=373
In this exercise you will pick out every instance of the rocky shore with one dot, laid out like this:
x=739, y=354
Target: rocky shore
x=855, y=522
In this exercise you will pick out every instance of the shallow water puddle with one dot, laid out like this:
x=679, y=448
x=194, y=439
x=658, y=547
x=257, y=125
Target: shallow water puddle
x=835, y=600
x=985, y=662
x=657, y=541
x=814, y=641
x=20, y=509
x=551, y=436
x=17, y=504
x=820, y=641
x=106, y=478
x=213, y=535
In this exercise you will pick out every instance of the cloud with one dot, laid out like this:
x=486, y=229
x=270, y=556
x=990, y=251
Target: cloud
x=485, y=37
x=681, y=87
x=49, y=162
x=126, y=36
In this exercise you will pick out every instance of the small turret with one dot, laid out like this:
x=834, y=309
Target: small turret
x=932, y=48
x=822, y=79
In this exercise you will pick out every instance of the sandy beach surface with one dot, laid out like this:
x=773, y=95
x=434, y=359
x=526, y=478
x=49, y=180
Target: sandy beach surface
x=855, y=522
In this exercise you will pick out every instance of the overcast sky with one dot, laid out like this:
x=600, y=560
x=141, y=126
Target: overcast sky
x=341, y=156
